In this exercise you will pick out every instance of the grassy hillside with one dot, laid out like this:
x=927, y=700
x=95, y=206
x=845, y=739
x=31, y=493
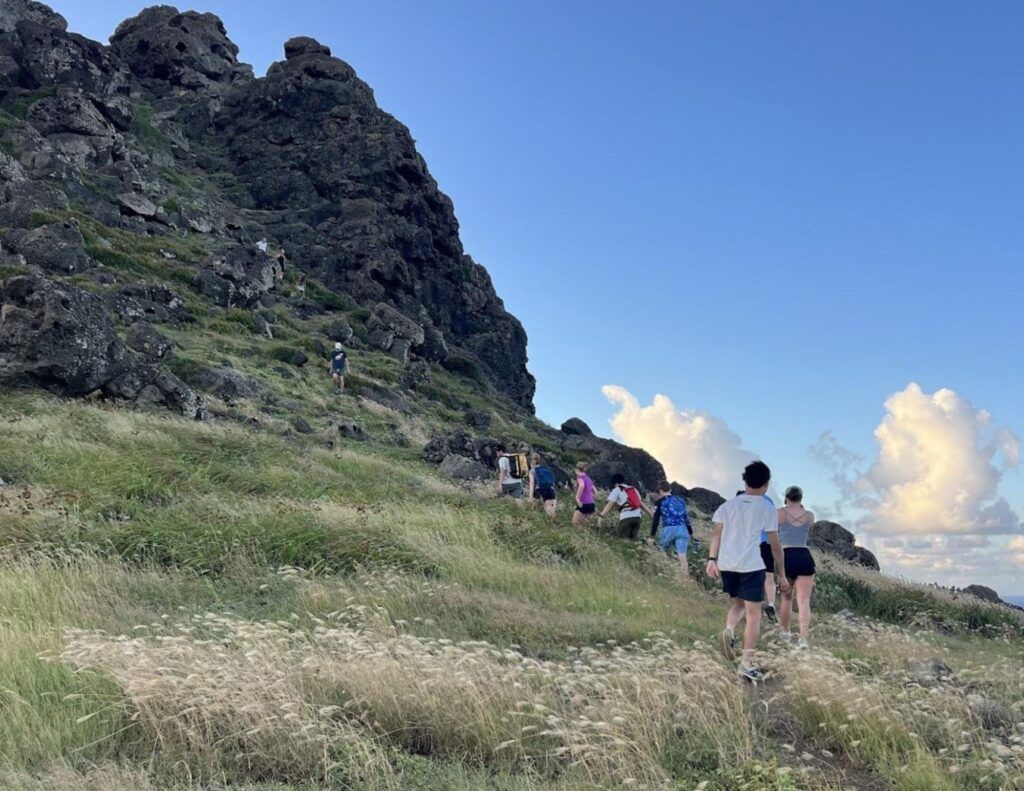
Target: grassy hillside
x=208, y=604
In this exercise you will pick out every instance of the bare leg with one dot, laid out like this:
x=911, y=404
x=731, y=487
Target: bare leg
x=769, y=589
x=786, y=610
x=578, y=518
x=734, y=615
x=804, y=587
x=550, y=506
x=752, y=631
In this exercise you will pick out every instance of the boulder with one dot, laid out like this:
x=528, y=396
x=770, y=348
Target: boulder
x=833, y=537
x=143, y=338
x=179, y=52
x=301, y=425
x=57, y=336
x=56, y=247
x=239, y=277
x=304, y=45
x=416, y=374
x=225, y=382
x=576, y=427
x=139, y=205
x=23, y=199
x=339, y=330
x=390, y=331
x=351, y=430
x=462, y=468
x=704, y=500
x=148, y=386
x=459, y=443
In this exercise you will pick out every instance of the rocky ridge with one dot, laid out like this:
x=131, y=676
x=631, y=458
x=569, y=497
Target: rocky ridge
x=164, y=134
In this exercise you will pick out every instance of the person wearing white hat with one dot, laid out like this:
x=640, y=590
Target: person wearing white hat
x=339, y=367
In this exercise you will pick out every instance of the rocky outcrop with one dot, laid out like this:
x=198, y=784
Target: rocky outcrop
x=576, y=428
x=306, y=158
x=704, y=500
x=834, y=538
x=463, y=469
x=61, y=338
x=984, y=592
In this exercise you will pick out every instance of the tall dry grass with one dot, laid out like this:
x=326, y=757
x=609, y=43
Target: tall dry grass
x=244, y=700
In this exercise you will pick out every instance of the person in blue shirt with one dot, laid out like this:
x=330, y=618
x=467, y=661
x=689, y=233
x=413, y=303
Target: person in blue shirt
x=671, y=514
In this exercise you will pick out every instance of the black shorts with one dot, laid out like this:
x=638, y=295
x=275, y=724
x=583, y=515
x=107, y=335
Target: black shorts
x=544, y=493
x=745, y=585
x=799, y=562
x=586, y=509
x=767, y=557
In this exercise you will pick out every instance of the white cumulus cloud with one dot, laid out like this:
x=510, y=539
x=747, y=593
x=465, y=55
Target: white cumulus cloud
x=938, y=469
x=696, y=448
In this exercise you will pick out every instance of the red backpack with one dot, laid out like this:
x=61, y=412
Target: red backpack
x=633, y=501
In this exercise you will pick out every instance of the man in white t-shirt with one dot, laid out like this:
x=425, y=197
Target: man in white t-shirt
x=735, y=558
x=507, y=483
x=630, y=515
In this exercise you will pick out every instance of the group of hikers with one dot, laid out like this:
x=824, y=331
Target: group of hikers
x=753, y=543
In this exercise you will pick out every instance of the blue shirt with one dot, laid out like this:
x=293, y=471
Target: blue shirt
x=764, y=535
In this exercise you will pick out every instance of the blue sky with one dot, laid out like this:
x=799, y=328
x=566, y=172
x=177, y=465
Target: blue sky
x=780, y=214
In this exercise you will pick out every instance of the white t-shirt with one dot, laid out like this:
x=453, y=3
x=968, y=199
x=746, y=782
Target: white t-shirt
x=506, y=472
x=618, y=496
x=743, y=518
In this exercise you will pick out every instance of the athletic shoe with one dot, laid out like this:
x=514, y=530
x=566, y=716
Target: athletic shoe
x=751, y=674
x=803, y=644
x=727, y=642
x=785, y=637
x=769, y=610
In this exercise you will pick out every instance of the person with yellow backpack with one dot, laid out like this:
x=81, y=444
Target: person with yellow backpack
x=513, y=468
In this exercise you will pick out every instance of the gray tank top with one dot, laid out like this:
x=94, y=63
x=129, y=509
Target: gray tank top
x=794, y=534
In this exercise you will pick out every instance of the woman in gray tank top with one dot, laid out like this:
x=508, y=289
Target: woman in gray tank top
x=795, y=524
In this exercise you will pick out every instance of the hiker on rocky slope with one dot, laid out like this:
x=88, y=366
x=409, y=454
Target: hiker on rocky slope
x=630, y=504
x=511, y=471
x=670, y=512
x=339, y=368
x=542, y=485
x=585, y=501
x=795, y=523
x=735, y=559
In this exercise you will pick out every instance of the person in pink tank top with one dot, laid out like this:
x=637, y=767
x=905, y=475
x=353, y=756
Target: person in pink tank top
x=585, y=506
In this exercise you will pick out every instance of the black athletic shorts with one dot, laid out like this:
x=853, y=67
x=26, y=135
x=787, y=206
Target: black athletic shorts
x=586, y=509
x=767, y=557
x=799, y=562
x=745, y=585
x=544, y=493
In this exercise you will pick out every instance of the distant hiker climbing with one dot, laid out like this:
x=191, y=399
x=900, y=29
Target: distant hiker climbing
x=630, y=505
x=735, y=559
x=542, y=485
x=512, y=469
x=339, y=368
x=671, y=513
x=585, y=504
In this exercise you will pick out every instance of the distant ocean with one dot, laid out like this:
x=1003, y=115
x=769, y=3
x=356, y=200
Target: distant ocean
x=1018, y=600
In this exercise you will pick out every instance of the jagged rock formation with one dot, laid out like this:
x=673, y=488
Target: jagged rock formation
x=835, y=538
x=166, y=134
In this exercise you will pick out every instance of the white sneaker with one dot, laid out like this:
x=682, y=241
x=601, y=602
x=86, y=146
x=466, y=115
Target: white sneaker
x=727, y=644
x=802, y=644
x=785, y=637
x=753, y=674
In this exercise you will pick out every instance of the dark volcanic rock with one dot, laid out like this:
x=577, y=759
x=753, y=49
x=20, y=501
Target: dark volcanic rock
x=186, y=51
x=143, y=338
x=704, y=500
x=61, y=338
x=983, y=592
x=57, y=336
x=835, y=538
x=462, y=468
x=304, y=45
x=58, y=247
x=576, y=427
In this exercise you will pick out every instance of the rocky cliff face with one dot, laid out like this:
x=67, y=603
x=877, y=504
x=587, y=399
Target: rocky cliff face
x=164, y=135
